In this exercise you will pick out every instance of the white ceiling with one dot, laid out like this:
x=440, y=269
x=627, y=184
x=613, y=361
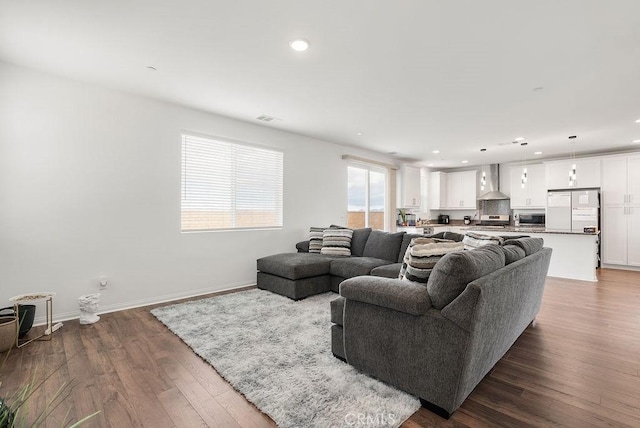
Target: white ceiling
x=412, y=76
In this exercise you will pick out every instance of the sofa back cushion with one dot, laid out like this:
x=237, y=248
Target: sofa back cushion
x=512, y=253
x=359, y=240
x=383, y=245
x=529, y=245
x=454, y=271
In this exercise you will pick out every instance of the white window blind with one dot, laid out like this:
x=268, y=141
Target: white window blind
x=230, y=185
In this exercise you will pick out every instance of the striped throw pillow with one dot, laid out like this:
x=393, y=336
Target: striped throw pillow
x=422, y=255
x=336, y=242
x=315, y=239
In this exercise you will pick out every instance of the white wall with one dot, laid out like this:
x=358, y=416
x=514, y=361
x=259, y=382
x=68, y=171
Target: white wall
x=90, y=186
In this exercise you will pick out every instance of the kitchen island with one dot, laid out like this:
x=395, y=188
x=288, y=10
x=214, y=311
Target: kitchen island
x=575, y=254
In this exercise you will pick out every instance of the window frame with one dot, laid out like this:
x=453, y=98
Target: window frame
x=233, y=211
x=368, y=168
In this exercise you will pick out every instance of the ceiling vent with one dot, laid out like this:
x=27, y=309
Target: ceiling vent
x=266, y=118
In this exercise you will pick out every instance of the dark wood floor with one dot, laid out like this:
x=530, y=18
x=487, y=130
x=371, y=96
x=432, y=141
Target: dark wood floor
x=580, y=366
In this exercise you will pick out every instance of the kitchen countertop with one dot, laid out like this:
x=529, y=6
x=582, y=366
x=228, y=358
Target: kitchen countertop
x=524, y=229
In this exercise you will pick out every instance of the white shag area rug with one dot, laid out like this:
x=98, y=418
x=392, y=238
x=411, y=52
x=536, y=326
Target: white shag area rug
x=277, y=352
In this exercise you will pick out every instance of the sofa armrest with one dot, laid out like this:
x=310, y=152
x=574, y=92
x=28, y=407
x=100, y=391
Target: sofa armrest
x=303, y=246
x=389, y=293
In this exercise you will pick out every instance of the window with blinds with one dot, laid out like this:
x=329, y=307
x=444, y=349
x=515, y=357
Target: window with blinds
x=230, y=185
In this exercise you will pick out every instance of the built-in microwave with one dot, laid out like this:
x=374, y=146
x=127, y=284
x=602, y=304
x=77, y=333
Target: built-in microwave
x=534, y=219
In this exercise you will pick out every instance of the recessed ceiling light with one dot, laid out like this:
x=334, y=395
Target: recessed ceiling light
x=537, y=153
x=430, y=164
x=519, y=138
x=637, y=120
x=483, y=150
x=358, y=133
x=538, y=89
x=299, y=45
x=149, y=67
x=392, y=153
x=636, y=141
x=573, y=137
x=436, y=152
x=465, y=161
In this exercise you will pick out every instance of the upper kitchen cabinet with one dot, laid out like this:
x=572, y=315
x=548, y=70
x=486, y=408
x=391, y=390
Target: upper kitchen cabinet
x=533, y=192
x=461, y=190
x=587, y=173
x=437, y=190
x=410, y=187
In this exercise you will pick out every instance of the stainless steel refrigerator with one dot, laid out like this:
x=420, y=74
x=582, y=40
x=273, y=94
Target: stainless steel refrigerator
x=573, y=210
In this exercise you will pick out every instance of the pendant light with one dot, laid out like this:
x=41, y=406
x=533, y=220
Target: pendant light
x=523, y=177
x=483, y=178
x=573, y=172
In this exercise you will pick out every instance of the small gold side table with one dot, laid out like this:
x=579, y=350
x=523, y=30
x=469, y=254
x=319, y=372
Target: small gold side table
x=30, y=298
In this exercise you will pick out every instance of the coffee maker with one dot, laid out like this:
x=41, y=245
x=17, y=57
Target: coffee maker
x=443, y=219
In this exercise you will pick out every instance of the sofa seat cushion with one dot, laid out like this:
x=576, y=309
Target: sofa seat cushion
x=383, y=245
x=337, y=310
x=454, y=271
x=529, y=245
x=355, y=266
x=295, y=265
x=387, y=271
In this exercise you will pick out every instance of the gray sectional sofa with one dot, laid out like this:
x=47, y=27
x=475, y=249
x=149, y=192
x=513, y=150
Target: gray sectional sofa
x=438, y=342
x=303, y=274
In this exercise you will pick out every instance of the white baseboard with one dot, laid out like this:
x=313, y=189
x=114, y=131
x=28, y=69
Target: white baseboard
x=621, y=267
x=72, y=315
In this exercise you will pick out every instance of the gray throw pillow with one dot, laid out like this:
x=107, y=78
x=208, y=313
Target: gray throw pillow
x=529, y=245
x=454, y=271
x=383, y=245
x=359, y=240
x=512, y=253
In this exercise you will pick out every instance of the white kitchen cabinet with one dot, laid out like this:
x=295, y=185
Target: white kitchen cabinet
x=614, y=180
x=633, y=181
x=461, y=190
x=410, y=187
x=587, y=173
x=621, y=210
x=534, y=192
x=614, y=235
x=633, y=231
x=437, y=190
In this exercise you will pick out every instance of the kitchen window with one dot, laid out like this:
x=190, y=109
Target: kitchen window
x=230, y=185
x=366, y=196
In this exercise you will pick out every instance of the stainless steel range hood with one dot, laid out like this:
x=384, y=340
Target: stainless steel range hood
x=492, y=173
